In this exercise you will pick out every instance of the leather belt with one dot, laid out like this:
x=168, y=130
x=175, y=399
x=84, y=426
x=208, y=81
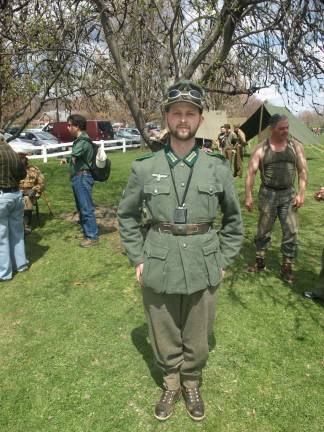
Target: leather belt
x=78, y=173
x=181, y=229
x=276, y=189
x=8, y=190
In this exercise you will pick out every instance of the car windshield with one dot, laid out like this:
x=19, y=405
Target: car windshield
x=44, y=135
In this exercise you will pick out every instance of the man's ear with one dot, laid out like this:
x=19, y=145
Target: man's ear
x=202, y=118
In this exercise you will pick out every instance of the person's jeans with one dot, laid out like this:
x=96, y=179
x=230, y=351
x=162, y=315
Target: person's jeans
x=12, y=244
x=82, y=188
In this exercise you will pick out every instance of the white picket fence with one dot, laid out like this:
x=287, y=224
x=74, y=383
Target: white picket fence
x=106, y=145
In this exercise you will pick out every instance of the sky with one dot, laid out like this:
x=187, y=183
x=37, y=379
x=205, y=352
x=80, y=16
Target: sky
x=275, y=98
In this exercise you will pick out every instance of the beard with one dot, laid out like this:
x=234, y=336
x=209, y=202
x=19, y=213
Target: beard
x=183, y=132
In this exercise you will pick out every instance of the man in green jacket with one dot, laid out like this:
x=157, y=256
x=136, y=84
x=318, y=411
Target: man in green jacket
x=182, y=258
x=81, y=178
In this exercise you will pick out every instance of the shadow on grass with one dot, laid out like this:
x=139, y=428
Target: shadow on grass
x=140, y=340
x=34, y=250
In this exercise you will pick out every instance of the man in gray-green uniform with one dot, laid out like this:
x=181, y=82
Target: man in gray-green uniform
x=278, y=158
x=81, y=178
x=318, y=291
x=182, y=258
x=230, y=139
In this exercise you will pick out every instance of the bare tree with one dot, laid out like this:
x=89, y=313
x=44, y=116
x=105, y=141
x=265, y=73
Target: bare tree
x=232, y=47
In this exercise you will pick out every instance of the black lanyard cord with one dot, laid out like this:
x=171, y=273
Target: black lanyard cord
x=186, y=189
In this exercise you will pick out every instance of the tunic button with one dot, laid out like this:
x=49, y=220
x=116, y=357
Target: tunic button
x=184, y=245
x=155, y=191
x=182, y=184
x=210, y=189
x=182, y=164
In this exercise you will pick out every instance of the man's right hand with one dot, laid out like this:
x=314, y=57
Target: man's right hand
x=249, y=204
x=138, y=272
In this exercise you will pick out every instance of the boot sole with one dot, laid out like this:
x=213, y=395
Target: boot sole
x=195, y=418
x=166, y=418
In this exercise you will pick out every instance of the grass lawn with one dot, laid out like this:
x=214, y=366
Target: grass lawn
x=74, y=353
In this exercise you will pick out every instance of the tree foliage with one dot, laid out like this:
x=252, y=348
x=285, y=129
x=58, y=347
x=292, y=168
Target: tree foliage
x=134, y=49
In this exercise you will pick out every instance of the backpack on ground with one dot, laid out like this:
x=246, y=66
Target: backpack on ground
x=100, y=164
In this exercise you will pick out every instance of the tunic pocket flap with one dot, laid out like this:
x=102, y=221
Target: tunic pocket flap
x=210, y=188
x=155, y=251
x=157, y=188
x=211, y=248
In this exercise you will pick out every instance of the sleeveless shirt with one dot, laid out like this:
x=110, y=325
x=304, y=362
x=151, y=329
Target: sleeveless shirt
x=278, y=169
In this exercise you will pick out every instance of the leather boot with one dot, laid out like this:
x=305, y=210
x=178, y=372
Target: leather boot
x=286, y=273
x=165, y=406
x=259, y=265
x=194, y=403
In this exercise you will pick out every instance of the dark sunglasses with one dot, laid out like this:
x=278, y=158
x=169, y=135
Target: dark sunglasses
x=193, y=94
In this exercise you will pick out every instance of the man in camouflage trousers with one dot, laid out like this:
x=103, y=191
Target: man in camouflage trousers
x=182, y=258
x=31, y=187
x=278, y=159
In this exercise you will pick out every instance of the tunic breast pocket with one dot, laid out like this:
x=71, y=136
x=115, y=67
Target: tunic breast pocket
x=209, y=195
x=157, y=196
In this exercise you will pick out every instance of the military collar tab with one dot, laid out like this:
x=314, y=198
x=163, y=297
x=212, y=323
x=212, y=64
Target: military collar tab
x=189, y=160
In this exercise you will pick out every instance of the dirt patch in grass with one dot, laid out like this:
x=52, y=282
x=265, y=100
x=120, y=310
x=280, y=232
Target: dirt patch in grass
x=105, y=216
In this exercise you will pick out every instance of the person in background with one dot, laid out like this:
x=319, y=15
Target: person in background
x=278, y=159
x=221, y=140
x=82, y=180
x=230, y=139
x=239, y=151
x=31, y=187
x=12, y=245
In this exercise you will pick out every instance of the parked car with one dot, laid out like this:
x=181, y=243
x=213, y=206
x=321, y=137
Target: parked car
x=125, y=134
x=96, y=129
x=19, y=145
x=40, y=138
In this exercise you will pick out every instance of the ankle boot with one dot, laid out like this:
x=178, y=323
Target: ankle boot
x=259, y=265
x=286, y=273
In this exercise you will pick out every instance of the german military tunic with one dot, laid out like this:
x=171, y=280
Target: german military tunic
x=180, y=264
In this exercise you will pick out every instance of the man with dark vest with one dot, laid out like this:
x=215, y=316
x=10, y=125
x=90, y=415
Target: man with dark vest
x=182, y=258
x=278, y=159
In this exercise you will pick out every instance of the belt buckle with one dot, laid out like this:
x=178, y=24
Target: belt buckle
x=195, y=228
x=179, y=229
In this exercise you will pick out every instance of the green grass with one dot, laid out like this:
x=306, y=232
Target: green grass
x=74, y=353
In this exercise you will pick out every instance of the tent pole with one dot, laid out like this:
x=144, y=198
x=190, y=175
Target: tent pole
x=260, y=122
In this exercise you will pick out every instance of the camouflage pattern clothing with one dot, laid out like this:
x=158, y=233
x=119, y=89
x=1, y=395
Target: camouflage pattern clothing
x=273, y=203
x=34, y=181
x=276, y=198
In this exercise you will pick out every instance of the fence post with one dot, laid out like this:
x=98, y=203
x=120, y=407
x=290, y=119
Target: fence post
x=44, y=153
x=124, y=145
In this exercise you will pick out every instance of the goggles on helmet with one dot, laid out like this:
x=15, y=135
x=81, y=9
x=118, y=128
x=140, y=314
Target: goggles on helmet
x=191, y=94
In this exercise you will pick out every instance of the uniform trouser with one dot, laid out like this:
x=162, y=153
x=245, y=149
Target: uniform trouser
x=238, y=161
x=179, y=326
x=273, y=203
x=229, y=155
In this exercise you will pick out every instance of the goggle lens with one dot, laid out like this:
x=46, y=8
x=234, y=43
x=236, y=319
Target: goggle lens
x=193, y=94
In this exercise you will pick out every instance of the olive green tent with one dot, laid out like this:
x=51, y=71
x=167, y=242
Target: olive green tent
x=259, y=121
